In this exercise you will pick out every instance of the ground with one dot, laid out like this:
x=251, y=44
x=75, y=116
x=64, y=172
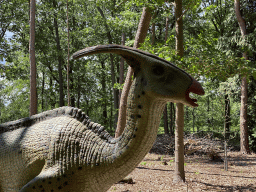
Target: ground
x=204, y=171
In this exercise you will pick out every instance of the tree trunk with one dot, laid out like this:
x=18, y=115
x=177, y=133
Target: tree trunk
x=115, y=91
x=52, y=99
x=113, y=78
x=153, y=33
x=32, y=59
x=227, y=117
x=208, y=113
x=42, y=92
x=121, y=72
x=166, y=28
x=193, y=113
x=166, y=130
x=140, y=37
x=72, y=99
x=172, y=117
x=179, y=174
x=244, y=141
x=104, y=105
x=78, y=93
x=60, y=60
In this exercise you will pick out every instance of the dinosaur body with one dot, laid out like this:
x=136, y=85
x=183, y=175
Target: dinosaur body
x=52, y=142
x=62, y=150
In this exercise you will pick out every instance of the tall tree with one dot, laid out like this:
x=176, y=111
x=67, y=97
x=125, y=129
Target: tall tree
x=121, y=71
x=166, y=130
x=139, y=39
x=103, y=83
x=227, y=117
x=172, y=117
x=113, y=77
x=32, y=59
x=244, y=141
x=59, y=51
x=179, y=174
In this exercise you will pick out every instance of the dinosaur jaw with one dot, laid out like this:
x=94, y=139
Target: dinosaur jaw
x=194, y=88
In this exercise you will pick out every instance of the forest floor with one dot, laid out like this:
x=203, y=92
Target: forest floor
x=204, y=169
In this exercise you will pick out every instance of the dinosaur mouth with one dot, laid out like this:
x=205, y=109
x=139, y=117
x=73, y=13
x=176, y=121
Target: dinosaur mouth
x=194, y=88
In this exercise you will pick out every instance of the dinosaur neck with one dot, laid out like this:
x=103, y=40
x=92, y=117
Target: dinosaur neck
x=143, y=117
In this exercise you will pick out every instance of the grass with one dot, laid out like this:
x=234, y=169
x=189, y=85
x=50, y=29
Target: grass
x=143, y=163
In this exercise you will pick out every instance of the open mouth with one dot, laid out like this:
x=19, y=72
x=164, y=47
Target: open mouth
x=194, y=88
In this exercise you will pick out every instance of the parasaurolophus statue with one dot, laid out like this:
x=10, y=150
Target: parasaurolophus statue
x=62, y=150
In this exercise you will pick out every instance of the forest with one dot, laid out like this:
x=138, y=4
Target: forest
x=214, y=51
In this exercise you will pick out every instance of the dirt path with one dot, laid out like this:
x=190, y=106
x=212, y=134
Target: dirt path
x=155, y=174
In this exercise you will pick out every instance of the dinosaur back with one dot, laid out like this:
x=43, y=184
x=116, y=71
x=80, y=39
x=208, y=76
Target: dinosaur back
x=62, y=111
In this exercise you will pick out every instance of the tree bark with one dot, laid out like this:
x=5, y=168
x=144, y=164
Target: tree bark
x=193, y=114
x=60, y=60
x=32, y=59
x=172, y=117
x=244, y=141
x=179, y=174
x=70, y=86
x=115, y=91
x=140, y=37
x=166, y=28
x=104, y=105
x=42, y=91
x=78, y=93
x=166, y=130
x=227, y=117
x=153, y=33
x=70, y=101
x=208, y=113
x=121, y=72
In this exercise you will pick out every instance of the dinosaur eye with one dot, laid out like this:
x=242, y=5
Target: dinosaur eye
x=158, y=70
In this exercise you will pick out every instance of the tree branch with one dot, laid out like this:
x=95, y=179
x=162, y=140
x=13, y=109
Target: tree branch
x=120, y=5
x=106, y=25
x=187, y=8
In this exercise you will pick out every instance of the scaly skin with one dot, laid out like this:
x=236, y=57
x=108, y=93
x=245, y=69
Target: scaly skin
x=67, y=152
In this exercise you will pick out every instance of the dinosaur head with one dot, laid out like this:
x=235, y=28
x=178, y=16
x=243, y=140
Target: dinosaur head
x=159, y=77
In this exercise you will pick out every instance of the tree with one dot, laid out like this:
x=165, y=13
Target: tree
x=113, y=78
x=121, y=71
x=179, y=174
x=165, y=114
x=59, y=53
x=227, y=117
x=32, y=59
x=244, y=141
x=139, y=39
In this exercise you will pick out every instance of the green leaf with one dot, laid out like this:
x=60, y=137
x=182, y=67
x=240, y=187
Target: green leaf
x=254, y=74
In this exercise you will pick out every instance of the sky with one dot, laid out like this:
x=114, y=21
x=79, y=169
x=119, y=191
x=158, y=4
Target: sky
x=7, y=35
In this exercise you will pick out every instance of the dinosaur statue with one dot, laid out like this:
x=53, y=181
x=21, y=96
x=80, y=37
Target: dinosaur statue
x=63, y=150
